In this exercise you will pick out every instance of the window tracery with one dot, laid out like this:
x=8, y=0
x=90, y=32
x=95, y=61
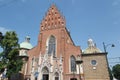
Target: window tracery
x=73, y=63
x=52, y=46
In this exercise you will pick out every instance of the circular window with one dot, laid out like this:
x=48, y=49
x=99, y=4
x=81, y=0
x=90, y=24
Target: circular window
x=93, y=62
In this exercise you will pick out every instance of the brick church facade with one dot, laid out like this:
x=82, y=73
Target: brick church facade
x=54, y=57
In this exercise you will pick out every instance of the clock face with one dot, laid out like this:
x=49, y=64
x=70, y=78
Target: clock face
x=93, y=62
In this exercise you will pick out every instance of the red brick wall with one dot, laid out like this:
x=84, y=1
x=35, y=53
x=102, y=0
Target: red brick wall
x=64, y=43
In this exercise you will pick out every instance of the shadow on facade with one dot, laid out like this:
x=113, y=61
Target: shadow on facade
x=18, y=76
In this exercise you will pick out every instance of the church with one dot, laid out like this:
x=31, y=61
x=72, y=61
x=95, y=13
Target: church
x=56, y=57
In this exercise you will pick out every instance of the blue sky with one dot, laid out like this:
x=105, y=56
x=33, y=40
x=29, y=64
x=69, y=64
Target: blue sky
x=96, y=19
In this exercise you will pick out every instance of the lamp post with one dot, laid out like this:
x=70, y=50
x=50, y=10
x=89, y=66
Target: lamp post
x=106, y=45
x=78, y=62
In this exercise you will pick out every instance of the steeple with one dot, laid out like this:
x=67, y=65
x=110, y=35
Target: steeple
x=53, y=19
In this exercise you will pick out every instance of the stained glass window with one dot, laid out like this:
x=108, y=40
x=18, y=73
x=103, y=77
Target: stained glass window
x=73, y=64
x=51, y=46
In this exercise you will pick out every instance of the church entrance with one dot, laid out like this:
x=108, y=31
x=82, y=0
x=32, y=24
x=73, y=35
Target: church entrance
x=56, y=78
x=73, y=79
x=45, y=77
x=45, y=73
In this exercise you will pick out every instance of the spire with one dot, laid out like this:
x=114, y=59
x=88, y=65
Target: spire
x=53, y=19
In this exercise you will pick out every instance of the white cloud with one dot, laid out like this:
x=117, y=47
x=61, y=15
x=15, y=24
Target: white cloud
x=4, y=30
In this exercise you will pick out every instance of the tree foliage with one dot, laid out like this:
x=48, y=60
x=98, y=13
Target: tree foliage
x=116, y=71
x=10, y=54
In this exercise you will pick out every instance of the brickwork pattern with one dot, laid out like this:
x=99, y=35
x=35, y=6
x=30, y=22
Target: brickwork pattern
x=98, y=71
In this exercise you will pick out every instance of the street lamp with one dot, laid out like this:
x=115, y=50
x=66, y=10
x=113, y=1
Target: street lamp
x=105, y=46
x=78, y=62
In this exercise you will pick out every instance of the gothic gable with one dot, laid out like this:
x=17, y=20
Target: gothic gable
x=52, y=20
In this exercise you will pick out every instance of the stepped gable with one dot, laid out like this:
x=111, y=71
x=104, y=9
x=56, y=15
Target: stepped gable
x=52, y=20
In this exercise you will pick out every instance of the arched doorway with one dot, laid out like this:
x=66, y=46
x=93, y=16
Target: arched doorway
x=73, y=79
x=45, y=75
x=56, y=76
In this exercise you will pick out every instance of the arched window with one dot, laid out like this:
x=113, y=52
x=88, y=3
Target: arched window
x=73, y=63
x=52, y=46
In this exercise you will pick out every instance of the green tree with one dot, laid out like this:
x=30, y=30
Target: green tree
x=116, y=71
x=10, y=55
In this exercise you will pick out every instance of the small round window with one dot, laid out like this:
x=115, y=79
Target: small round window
x=93, y=62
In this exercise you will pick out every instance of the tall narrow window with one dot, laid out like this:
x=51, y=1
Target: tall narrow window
x=32, y=65
x=52, y=46
x=73, y=64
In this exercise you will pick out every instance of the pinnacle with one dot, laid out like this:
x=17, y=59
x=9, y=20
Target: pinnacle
x=53, y=19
